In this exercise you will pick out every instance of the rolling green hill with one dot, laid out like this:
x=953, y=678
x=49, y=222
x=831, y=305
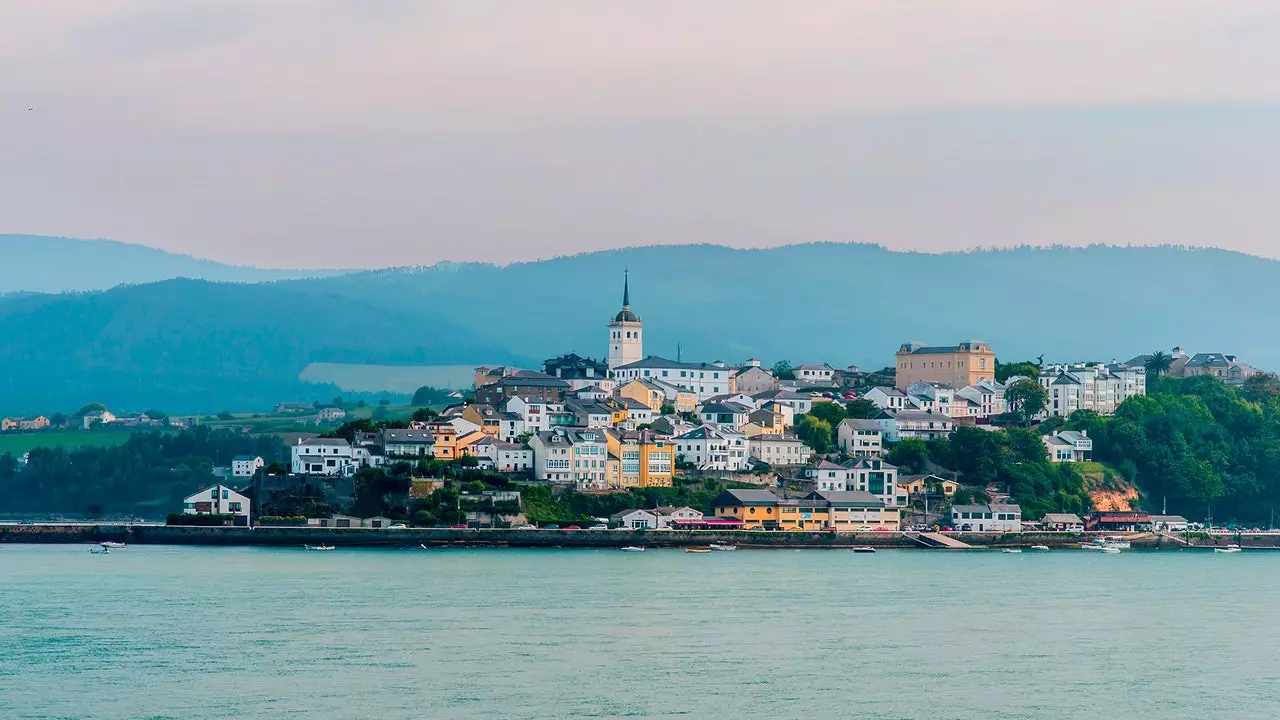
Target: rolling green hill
x=195, y=346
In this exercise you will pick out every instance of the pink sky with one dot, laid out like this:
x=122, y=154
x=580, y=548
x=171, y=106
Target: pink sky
x=335, y=133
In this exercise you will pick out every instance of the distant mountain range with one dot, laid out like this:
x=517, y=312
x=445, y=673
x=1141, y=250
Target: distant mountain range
x=37, y=263
x=193, y=345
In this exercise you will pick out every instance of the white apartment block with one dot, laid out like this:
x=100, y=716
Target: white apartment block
x=1100, y=388
x=710, y=448
x=705, y=380
x=571, y=455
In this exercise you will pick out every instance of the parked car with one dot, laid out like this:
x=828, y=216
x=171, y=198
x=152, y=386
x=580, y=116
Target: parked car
x=966, y=528
x=550, y=527
x=573, y=527
x=881, y=528
x=527, y=526
x=1075, y=528
x=459, y=526
x=397, y=526
x=598, y=527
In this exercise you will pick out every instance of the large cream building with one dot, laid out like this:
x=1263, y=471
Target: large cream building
x=955, y=366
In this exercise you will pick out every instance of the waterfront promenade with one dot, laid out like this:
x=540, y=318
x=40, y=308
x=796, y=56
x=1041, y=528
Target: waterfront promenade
x=154, y=534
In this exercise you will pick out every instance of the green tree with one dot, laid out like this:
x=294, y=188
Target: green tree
x=862, y=409
x=1026, y=397
x=427, y=395
x=828, y=412
x=1158, y=363
x=89, y=408
x=424, y=414
x=668, y=409
x=815, y=432
x=782, y=370
x=1026, y=446
x=1026, y=368
x=910, y=455
x=157, y=414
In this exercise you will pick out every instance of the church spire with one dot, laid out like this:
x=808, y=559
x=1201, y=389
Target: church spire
x=626, y=288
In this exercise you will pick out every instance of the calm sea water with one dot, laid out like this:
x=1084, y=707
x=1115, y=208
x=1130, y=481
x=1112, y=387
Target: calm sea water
x=202, y=633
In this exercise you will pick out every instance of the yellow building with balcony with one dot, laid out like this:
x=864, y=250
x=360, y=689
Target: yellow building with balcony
x=645, y=459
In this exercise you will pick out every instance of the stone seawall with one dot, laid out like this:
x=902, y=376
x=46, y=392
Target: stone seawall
x=433, y=537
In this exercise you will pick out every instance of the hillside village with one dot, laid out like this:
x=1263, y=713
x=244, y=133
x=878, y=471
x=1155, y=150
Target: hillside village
x=793, y=447
x=634, y=421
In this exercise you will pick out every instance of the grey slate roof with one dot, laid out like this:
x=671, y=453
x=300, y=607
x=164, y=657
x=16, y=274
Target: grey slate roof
x=745, y=497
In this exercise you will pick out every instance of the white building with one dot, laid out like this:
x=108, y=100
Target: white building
x=887, y=398
x=711, y=448
x=669, y=515
x=535, y=413
x=626, y=344
x=704, y=380
x=1069, y=446
x=323, y=456
x=330, y=414
x=988, y=395
x=913, y=424
x=218, y=500
x=245, y=466
x=828, y=476
x=1100, y=388
x=799, y=402
x=727, y=414
x=752, y=379
x=406, y=443
x=502, y=456
x=860, y=437
x=987, y=518
x=930, y=397
x=875, y=476
x=571, y=455
x=635, y=519
x=810, y=374
x=779, y=450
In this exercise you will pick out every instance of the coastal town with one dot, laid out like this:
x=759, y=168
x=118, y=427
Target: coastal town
x=804, y=447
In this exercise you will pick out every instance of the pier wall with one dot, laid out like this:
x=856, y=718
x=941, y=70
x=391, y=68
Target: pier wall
x=362, y=537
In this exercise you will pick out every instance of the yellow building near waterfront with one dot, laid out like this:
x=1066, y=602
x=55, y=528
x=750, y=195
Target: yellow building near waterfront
x=644, y=459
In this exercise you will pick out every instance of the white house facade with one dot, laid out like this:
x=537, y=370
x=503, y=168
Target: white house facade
x=218, y=500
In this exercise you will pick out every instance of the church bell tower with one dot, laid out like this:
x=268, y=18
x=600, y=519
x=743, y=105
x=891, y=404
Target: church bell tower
x=625, y=342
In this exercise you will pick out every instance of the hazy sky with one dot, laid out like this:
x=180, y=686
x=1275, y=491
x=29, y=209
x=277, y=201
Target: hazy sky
x=336, y=133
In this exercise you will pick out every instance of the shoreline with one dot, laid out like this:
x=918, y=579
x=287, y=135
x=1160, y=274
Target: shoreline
x=143, y=534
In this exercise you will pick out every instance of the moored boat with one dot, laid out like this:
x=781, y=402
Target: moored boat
x=633, y=548
x=99, y=551
x=319, y=547
x=1111, y=550
x=112, y=544
x=1039, y=547
x=1011, y=550
x=723, y=547
x=697, y=549
x=1227, y=549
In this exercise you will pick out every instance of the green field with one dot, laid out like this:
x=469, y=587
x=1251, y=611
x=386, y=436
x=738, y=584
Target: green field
x=19, y=443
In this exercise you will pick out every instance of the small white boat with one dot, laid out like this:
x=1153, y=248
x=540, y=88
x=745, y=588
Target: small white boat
x=1111, y=550
x=99, y=551
x=1039, y=547
x=699, y=550
x=1116, y=541
x=1011, y=550
x=112, y=544
x=632, y=548
x=1092, y=546
x=423, y=546
x=1227, y=549
x=319, y=547
x=723, y=547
